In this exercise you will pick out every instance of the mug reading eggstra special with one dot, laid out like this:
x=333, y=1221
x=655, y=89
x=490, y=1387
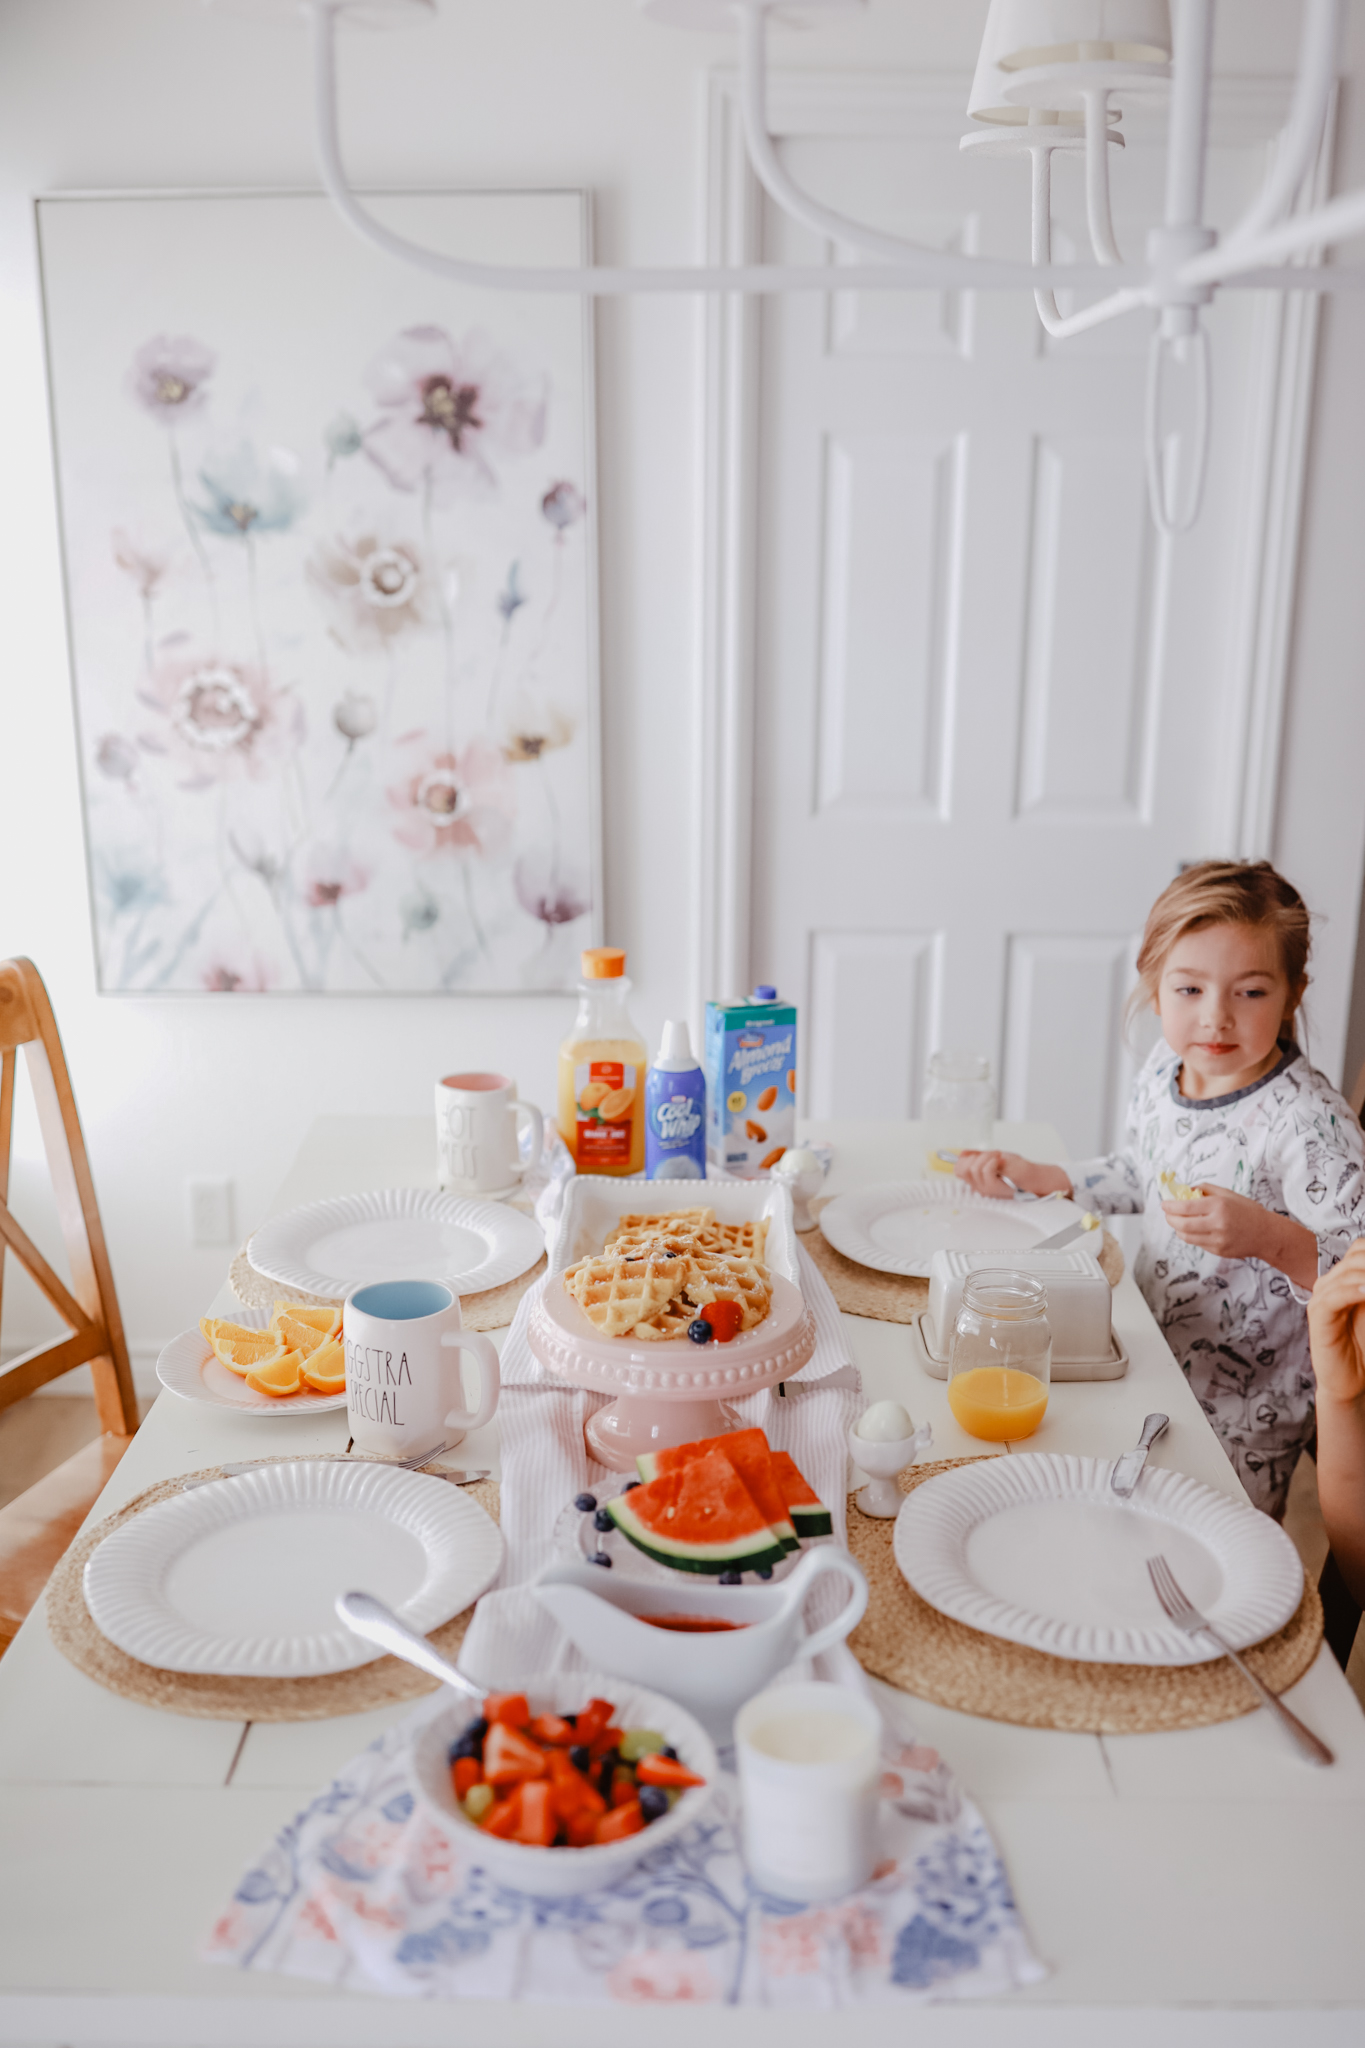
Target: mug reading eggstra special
x=403, y=1341
x=478, y=1134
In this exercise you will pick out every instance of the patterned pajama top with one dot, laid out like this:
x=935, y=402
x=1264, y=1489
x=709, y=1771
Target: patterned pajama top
x=1238, y=1326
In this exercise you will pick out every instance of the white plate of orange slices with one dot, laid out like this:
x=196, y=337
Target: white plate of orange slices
x=277, y=1361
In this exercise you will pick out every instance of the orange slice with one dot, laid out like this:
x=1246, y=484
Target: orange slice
x=277, y=1377
x=302, y=1336
x=244, y=1354
x=325, y=1369
x=325, y=1320
x=217, y=1326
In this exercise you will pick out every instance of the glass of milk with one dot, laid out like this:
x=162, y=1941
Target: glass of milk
x=809, y=1767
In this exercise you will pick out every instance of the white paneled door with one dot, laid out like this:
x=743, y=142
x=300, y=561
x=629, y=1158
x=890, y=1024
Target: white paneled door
x=992, y=709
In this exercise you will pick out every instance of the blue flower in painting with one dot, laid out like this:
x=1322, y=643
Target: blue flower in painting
x=923, y=1955
x=511, y=597
x=129, y=886
x=246, y=496
x=342, y=437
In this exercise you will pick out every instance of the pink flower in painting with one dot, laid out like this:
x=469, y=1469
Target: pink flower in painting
x=448, y=408
x=533, y=728
x=669, y=1978
x=222, y=717
x=116, y=757
x=563, y=504
x=379, y=588
x=463, y=800
x=224, y=976
x=329, y=873
x=549, y=892
x=168, y=376
x=146, y=565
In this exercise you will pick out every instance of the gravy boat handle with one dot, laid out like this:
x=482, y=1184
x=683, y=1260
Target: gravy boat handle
x=814, y=1565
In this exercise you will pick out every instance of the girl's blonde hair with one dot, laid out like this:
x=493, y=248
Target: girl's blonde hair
x=1249, y=892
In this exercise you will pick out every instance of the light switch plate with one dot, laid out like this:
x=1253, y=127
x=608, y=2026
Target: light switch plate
x=211, y=1212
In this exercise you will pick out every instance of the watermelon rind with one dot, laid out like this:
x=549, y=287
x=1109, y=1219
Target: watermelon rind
x=650, y=1465
x=745, y=1553
x=808, y=1521
x=810, y=1516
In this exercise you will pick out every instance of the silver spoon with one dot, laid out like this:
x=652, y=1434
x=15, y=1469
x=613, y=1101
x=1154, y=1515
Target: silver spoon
x=370, y=1618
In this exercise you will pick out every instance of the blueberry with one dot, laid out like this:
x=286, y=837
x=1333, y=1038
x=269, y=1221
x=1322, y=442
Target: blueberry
x=731, y=1578
x=669, y=1751
x=606, y=1771
x=700, y=1331
x=600, y=1557
x=580, y=1756
x=585, y=1503
x=653, y=1802
x=471, y=1742
x=630, y=1486
x=765, y=1571
x=601, y=1520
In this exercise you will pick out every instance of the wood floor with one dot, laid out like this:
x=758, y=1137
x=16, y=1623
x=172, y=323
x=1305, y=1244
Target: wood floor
x=39, y=1433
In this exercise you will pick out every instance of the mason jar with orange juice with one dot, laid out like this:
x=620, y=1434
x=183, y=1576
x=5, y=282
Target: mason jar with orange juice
x=1000, y=1362
x=602, y=1066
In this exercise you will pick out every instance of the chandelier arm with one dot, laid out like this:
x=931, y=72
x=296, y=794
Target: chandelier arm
x=1166, y=518
x=752, y=19
x=1045, y=301
x=1098, y=215
x=1300, y=136
x=940, y=267
x=1336, y=220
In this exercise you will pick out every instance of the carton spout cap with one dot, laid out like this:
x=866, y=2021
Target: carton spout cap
x=764, y=992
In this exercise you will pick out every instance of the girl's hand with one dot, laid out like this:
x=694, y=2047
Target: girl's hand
x=1336, y=1328
x=1232, y=1226
x=985, y=1172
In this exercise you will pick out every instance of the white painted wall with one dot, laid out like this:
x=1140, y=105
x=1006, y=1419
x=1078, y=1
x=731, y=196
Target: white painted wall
x=163, y=93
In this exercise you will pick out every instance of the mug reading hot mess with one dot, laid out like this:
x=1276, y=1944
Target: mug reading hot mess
x=403, y=1340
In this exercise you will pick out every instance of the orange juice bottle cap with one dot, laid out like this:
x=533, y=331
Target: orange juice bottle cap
x=603, y=963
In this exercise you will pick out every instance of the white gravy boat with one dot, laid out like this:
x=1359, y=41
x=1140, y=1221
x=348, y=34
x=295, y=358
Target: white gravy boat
x=710, y=1674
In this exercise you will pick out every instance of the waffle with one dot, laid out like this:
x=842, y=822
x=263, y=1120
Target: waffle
x=720, y=1276
x=618, y=1292
x=676, y=1219
x=750, y=1238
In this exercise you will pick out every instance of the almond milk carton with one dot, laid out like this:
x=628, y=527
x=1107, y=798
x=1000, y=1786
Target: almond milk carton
x=750, y=1082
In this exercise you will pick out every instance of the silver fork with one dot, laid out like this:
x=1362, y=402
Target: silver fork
x=1187, y=1617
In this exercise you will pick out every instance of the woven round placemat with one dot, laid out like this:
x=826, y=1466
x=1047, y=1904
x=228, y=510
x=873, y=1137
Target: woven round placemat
x=380, y=1684
x=912, y=1646
x=886, y=1297
x=491, y=1310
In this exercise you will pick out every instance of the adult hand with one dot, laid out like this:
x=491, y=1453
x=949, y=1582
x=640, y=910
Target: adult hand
x=1336, y=1327
x=985, y=1171
x=1229, y=1226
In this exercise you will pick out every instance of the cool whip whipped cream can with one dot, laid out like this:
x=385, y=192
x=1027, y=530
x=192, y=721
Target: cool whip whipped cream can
x=675, y=1111
x=750, y=1082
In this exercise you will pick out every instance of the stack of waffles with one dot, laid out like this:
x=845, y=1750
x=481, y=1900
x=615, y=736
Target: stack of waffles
x=655, y=1273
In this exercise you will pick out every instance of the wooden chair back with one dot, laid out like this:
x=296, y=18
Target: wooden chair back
x=90, y=1306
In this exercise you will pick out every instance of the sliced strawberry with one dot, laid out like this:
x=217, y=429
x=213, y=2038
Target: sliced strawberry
x=508, y=1757
x=513, y=1708
x=623, y=1789
x=539, y=1822
x=665, y=1770
x=592, y=1719
x=465, y=1773
x=622, y=1821
x=601, y=1745
x=554, y=1730
x=503, y=1819
x=582, y=1829
x=573, y=1793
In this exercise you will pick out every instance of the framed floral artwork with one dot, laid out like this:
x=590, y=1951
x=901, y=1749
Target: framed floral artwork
x=328, y=532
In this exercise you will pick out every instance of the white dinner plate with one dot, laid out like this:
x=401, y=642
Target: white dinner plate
x=188, y=1367
x=327, y=1248
x=239, y=1577
x=897, y=1226
x=1036, y=1548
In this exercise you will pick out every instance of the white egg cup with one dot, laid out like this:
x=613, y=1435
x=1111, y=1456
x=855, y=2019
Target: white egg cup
x=881, y=1496
x=803, y=1172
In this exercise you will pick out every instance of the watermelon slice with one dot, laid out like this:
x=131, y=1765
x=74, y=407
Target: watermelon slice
x=747, y=1450
x=808, y=1512
x=700, y=1517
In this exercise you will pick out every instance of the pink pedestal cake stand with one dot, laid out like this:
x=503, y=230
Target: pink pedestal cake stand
x=669, y=1392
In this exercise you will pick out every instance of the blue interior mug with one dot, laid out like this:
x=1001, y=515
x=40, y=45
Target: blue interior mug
x=403, y=1340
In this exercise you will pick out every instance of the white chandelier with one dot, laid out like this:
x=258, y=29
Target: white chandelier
x=1052, y=75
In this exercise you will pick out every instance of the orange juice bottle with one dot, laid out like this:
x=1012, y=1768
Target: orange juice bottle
x=602, y=1072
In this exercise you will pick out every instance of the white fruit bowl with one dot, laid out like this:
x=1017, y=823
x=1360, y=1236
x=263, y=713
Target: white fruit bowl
x=559, y=1873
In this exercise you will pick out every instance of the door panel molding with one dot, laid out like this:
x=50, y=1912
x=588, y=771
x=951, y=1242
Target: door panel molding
x=872, y=1004
x=1244, y=112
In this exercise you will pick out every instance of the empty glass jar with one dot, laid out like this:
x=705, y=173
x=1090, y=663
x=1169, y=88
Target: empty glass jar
x=1000, y=1362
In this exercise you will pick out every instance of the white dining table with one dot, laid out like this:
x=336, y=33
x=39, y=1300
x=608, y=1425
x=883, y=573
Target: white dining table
x=1199, y=1887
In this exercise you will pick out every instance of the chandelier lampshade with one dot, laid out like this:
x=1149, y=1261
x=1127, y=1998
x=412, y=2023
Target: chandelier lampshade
x=1033, y=32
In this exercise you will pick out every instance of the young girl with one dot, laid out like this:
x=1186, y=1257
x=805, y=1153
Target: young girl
x=1228, y=1107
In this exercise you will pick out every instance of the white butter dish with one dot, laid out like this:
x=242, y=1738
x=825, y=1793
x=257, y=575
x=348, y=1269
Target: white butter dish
x=1079, y=1298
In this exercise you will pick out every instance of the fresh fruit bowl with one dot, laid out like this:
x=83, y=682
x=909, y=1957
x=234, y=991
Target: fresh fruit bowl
x=558, y=1873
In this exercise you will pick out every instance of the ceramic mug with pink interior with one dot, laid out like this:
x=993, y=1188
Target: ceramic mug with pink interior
x=478, y=1134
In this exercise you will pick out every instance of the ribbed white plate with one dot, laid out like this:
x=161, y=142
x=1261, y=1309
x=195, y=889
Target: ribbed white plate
x=239, y=1577
x=1036, y=1548
x=188, y=1367
x=897, y=1226
x=397, y=1234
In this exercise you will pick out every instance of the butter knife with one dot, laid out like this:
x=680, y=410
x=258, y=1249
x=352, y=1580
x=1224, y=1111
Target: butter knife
x=1128, y=1468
